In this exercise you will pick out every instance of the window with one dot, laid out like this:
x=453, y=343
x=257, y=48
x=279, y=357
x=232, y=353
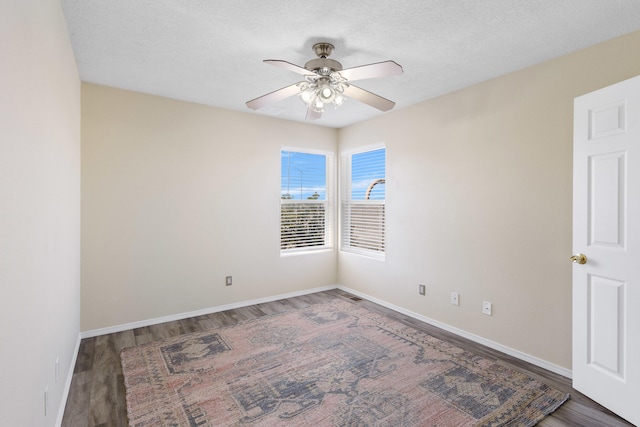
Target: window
x=306, y=220
x=363, y=202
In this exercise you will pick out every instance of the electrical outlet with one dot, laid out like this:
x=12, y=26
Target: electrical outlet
x=455, y=298
x=486, y=308
x=421, y=289
x=228, y=281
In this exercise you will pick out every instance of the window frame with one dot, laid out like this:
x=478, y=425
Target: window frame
x=327, y=203
x=346, y=203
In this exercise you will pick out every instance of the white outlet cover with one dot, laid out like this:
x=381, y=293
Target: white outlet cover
x=455, y=298
x=486, y=308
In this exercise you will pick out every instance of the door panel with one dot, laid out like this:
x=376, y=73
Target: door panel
x=606, y=193
x=606, y=325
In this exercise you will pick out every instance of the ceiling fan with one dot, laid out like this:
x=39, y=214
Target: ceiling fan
x=325, y=82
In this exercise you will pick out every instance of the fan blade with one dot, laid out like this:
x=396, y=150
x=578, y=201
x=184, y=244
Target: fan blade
x=312, y=114
x=379, y=69
x=273, y=97
x=368, y=98
x=289, y=66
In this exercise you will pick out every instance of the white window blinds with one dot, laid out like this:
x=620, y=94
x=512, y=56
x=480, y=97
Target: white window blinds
x=306, y=220
x=363, y=202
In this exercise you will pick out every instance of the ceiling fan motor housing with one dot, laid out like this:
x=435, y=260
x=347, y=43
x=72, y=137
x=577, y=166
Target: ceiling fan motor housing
x=323, y=66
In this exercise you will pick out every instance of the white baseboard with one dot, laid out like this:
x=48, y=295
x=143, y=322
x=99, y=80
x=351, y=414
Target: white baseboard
x=491, y=344
x=180, y=316
x=475, y=338
x=67, y=385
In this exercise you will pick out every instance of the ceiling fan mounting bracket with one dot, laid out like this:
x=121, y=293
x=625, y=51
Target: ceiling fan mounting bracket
x=323, y=49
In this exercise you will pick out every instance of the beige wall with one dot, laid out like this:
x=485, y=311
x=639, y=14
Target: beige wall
x=479, y=201
x=176, y=196
x=39, y=210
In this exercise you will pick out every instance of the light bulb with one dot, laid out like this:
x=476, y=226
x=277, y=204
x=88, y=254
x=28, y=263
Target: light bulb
x=327, y=94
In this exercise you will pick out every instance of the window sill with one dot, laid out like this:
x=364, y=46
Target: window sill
x=305, y=252
x=376, y=256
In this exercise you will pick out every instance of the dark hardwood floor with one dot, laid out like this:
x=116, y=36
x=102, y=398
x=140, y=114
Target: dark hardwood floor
x=97, y=395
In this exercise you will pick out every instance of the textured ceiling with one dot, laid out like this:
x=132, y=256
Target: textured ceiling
x=211, y=51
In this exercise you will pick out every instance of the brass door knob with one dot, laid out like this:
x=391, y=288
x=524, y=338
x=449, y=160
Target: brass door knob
x=579, y=258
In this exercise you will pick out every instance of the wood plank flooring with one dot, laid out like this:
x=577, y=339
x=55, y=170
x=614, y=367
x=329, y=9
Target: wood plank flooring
x=97, y=395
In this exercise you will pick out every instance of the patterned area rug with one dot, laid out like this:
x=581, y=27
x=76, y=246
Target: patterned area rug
x=332, y=364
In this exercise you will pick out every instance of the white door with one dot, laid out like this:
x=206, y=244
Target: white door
x=606, y=229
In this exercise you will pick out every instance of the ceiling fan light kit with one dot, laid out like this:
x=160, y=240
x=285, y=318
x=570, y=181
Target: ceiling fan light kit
x=316, y=92
x=326, y=82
